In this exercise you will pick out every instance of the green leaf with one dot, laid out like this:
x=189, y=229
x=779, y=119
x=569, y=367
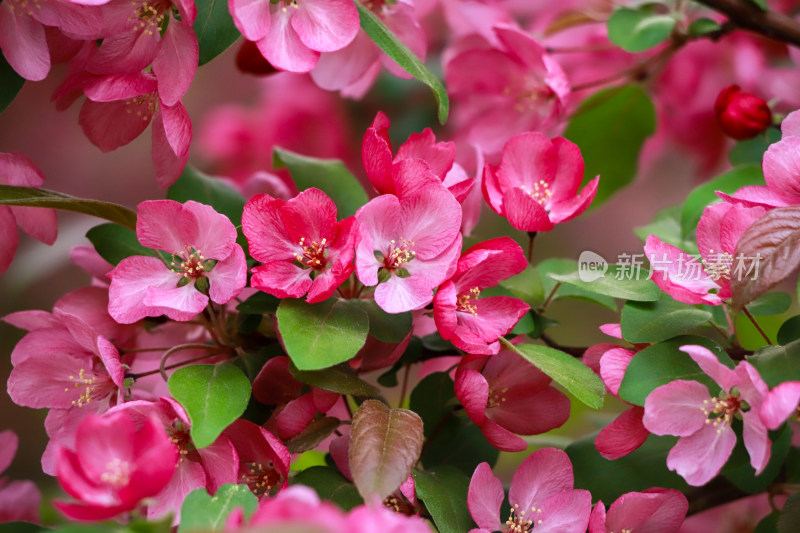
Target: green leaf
x=771, y=303
x=751, y=151
x=703, y=26
x=768, y=524
x=704, y=195
x=565, y=370
x=608, y=480
x=762, y=4
x=194, y=185
x=610, y=128
x=386, y=327
x=776, y=364
x=659, y=320
x=738, y=470
x=339, y=378
x=327, y=175
x=114, y=242
x=330, y=485
x=321, y=335
x=33, y=197
x=203, y=512
x=663, y=363
x=214, y=28
x=313, y=434
x=615, y=283
x=548, y=267
x=667, y=227
x=23, y=527
x=444, y=492
x=789, y=516
x=10, y=83
x=790, y=330
x=527, y=286
x=637, y=30
x=213, y=396
x=260, y=303
x=395, y=49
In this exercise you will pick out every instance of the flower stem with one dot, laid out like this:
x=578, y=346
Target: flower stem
x=758, y=327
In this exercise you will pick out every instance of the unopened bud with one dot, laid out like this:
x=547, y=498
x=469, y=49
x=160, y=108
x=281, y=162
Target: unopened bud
x=741, y=115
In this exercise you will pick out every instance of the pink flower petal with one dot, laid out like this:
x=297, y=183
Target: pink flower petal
x=326, y=25
x=251, y=17
x=484, y=498
x=228, y=277
x=622, y=436
x=677, y=408
x=542, y=474
x=613, y=364
x=780, y=404
x=23, y=42
x=283, y=47
x=708, y=363
x=9, y=236
x=525, y=213
x=176, y=62
x=699, y=457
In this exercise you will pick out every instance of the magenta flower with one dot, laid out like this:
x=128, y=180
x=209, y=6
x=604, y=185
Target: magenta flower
x=471, y=323
x=542, y=497
x=536, y=185
x=780, y=404
x=291, y=34
x=419, y=163
x=206, y=264
x=707, y=281
x=703, y=422
x=504, y=395
x=115, y=466
x=303, y=248
x=653, y=510
x=263, y=459
x=408, y=246
x=17, y=170
x=19, y=500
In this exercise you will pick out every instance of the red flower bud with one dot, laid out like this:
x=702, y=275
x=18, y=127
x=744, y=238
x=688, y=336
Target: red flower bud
x=250, y=61
x=741, y=115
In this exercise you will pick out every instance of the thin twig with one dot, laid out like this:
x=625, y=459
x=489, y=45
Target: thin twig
x=755, y=323
x=549, y=297
x=747, y=15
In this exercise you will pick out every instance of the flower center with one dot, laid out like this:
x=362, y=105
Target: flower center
x=720, y=411
x=314, y=255
x=89, y=386
x=190, y=263
x=398, y=256
x=117, y=473
x=517, y=521
x=465, y=302
x=496, y=397
x=180, y=437
x=259, y=477
x=540, y=192
x=25, y=7
x=148, y=17
x=626, y=530
x=144, y=106
x=718, y=266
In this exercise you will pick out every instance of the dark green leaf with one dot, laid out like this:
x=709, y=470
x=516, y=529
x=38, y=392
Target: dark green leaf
x=10, y=84
x=339, y=378
x=384, y=326
x=214, y=28
x=321, y=335
x=790, y=330
x=738, y=470
x=460, y=444
x=777, y=364
x=608, y=480
x=618, y=282
x=768, y=524
x=565, y=370
x=444, y=492
x=194, y=185
x=704, y=195
x=203, y=512
x=327, y=175
x=213, y=396
x=772, y=303
x=330, y=485
x=114, y=242
x=313, y=434
x=751, y=151
x=663, y=363
x=610, y=128
x=260, y=303
x=395, y=49
x=33, y=197
x=23, y=527
x=659, y=320
x=637, y=30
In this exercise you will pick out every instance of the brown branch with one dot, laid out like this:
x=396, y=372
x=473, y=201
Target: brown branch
x=747, y=15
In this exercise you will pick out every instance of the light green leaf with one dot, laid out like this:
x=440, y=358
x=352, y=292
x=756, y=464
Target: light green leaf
x=321, y=335
x=637, y=30
x=659, y=320
x=395, y=49
x=527, y=286
x=214, y=28
x=610, y=128
x=548, y=267
x=640, y=290
x=327, y=175
x=213, y=396
x=751, y=151
x=203, y=512
x=33, y=197
x=565, y=370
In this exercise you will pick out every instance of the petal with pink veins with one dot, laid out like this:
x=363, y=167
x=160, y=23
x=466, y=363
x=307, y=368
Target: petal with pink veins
x=283, y=47
x=677, y=408
x=326, y=25
x=484, y=498
x=699, y=457
x=176, y=62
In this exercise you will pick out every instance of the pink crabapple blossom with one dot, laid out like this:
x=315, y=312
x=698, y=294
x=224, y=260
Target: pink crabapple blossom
x=781, y=404
x=115, y=466
x=471, y=323
x=408, y=246
x=505, y=395
x=19, y=500
x=206, y=264
x=536, y=184
x=305, y=250
x=703, y=422
x=654, y=510
x=542, y=497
